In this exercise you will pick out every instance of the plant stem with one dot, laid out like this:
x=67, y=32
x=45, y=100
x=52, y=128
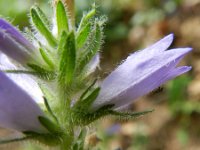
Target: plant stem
x=64, y=118
x=67, y=142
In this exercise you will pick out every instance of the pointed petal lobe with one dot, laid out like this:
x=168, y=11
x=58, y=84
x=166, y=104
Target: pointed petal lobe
x=15, y=34
x=162, y=44
x=138, y=76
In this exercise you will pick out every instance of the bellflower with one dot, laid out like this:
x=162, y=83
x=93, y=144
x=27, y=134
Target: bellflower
x=22, y=80
x=17, y=109
x=142, y=72
x=15, y=45
x=61, y=59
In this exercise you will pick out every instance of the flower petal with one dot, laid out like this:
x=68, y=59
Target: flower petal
x=17, y=109
x=22, y=80
x=158, y=47
x=15, y=34
x=178, y=71
x=162, y=44
x=160, y=80
x=135, y=76
x=13, y=49
x=15, y=46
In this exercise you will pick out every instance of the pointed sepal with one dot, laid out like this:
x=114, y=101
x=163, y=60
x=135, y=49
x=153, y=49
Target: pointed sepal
x=42, y=27
x=43, y=17
x=83, y=35
x=49, y=125
x=45, y=138
x=68, y=60
x=50, y=110
x=86, y=18
x=93, y=46
x=47, y=57
x=62, y=42
x=41, y=72
x=129, y=115
x=87, y=90
x=6, y=141
x=87, y=99
x=61, y=18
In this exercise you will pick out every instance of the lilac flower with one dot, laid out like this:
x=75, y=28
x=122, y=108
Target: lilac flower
x=14, y=45
x=142, y=72
x=17, y=109
x=24, y=81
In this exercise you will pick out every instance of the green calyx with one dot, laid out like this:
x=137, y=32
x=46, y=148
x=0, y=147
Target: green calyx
x=84, y=115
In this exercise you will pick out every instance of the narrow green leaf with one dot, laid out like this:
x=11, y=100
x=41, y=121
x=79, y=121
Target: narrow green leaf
x=85, y=19
x=101, y=112
x=88, y=89
x=51, y=139
x=62, y=42
x=40, y=25
x=47, y=58
x=129, y=115
x=37, y=71
x=92, y=48
x=82, y=106
x=41, y=72
x=32, y=134
x=61, y=18
x=14, y=140
x=49, y=125
x=43, y=17
x=83, y=35
x=49, y=110
x=19, y=72
x=68, y=60
x=86, y=116
x=90, y=99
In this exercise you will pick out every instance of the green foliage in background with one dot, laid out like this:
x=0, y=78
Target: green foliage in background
x=178, y=101
x=16, y=10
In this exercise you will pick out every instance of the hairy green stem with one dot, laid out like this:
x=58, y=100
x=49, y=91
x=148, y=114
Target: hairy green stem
x=65, y=119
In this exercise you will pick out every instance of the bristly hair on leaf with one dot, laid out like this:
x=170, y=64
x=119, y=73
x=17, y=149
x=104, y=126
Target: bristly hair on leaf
x=61, y=18
x=41, y=26
x=62, y=59
x=68, y=60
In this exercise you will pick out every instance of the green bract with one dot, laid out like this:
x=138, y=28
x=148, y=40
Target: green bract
x=61, y=18
x=40, y=23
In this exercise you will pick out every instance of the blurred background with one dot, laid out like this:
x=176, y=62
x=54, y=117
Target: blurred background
x=133, y=25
